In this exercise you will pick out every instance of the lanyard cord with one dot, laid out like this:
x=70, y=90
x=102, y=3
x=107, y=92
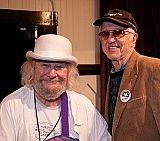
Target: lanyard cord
x=39, y=134
x=35, y=106
x=53, y=127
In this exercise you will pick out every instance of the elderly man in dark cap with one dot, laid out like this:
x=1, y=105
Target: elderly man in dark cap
x=45, y=108
x=133, y=91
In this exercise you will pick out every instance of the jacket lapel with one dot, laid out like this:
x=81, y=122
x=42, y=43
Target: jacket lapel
x=127, y=83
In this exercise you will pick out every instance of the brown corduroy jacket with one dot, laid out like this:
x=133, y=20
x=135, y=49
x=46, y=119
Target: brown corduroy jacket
x=139, y=118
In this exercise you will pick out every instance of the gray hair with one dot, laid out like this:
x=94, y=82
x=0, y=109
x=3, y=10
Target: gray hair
x=27, y=71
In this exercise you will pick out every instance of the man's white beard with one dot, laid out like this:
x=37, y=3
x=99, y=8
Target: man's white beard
x=49, y=94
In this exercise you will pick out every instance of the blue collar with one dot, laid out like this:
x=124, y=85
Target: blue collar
x=122, y=68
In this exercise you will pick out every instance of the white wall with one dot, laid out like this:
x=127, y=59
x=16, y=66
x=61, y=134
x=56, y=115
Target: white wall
x=75, y=18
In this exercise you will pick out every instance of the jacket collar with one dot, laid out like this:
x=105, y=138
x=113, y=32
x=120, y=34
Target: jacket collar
x=127, y=83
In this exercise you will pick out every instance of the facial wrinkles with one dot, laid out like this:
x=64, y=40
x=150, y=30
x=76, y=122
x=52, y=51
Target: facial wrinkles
x=50, y=87
x=127, y=47
x=115, y=49
x=112, y=47
x=52, y=78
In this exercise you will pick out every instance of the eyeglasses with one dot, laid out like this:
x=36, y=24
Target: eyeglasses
x=104, y=35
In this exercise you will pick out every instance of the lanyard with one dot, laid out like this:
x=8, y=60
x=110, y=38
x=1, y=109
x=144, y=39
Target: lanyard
x=63, y=115
x=64, y=112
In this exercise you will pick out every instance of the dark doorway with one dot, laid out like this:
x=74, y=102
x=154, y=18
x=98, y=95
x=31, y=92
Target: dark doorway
x=17, y=36
x=15, y=42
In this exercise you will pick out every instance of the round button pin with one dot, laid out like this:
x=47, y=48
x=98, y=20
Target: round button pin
x=125, y=95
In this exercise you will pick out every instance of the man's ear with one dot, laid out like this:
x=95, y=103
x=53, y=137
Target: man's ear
x=135, y=37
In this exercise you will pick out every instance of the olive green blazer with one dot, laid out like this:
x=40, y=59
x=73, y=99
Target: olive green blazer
x=138, y=119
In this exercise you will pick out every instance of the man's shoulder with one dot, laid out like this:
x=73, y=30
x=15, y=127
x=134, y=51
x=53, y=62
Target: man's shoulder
x=149, y=61
x=76, y=95
x=17, y=95
x=79, y=99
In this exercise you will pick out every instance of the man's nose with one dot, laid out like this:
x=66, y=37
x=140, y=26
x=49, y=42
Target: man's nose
x=111, y=38
x=52, y=72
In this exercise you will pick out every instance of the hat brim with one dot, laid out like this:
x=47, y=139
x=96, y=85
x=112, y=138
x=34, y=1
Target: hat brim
x=70, y=59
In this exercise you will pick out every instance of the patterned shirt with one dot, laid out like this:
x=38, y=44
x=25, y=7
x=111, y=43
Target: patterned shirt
x=115, y=80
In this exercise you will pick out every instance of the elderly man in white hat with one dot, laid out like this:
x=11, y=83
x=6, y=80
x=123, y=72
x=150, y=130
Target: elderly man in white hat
x=45, y=108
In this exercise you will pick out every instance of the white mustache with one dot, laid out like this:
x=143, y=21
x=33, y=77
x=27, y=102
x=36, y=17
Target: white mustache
x=52, y=79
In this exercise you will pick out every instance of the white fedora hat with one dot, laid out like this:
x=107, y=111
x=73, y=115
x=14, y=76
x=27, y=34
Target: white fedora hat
x=52, y=47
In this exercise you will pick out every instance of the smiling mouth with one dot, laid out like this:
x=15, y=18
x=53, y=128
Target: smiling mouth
x=113, y=47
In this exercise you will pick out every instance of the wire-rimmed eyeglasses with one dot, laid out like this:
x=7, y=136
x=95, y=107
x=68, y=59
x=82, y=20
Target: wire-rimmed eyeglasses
x=119, y=33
